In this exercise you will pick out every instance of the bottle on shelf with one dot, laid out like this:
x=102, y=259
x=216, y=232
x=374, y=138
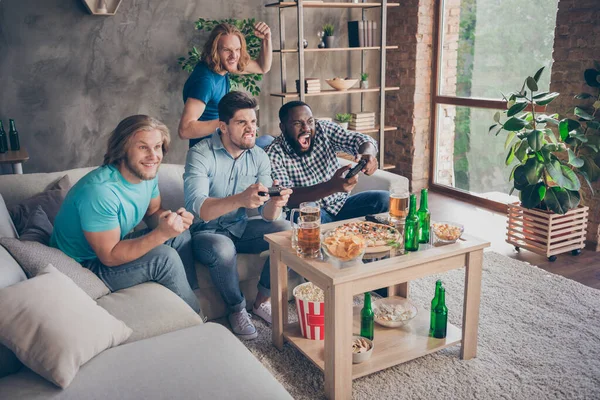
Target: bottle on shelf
x=434, y=302
x=411, y=226
x=424, y=218
x=13, y=136
x=440, y=324
x=367, y=318
x=3, y=139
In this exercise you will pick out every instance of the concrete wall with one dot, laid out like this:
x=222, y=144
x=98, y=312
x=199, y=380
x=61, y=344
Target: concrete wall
x=68, y=77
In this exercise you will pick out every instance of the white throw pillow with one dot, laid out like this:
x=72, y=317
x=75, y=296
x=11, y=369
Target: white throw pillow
x=54, y=327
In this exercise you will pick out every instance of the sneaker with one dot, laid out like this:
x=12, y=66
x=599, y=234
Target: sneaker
x=263, y=311
x=241, y=325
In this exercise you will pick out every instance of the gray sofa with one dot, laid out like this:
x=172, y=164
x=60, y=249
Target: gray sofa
x=171, y=353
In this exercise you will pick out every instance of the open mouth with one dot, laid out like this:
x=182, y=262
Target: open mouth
x=304, y=141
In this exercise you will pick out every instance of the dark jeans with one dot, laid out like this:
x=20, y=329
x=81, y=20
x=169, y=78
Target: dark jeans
x=218, y=251
x=359, y=205
x=170, y=264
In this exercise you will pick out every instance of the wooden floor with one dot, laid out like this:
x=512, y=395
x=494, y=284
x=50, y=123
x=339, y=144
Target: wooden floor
x=491, y=226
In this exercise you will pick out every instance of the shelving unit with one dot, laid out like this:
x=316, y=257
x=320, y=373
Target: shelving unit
x=111, y=7
x=284, y=94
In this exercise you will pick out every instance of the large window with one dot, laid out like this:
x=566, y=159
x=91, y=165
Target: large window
x=486, y=48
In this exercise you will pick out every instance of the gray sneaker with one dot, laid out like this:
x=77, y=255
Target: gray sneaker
x=242, y=326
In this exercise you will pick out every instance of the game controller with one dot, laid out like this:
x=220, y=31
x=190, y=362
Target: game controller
x=356, y=169
x=273, y=191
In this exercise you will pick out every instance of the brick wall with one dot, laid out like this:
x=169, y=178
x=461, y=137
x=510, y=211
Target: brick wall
x=576, y=45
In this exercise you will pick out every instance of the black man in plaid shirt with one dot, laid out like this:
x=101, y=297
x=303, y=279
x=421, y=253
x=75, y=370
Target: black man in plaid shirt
x=304, y=158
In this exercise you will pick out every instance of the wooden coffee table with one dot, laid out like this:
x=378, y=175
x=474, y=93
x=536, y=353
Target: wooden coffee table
x=392, y=346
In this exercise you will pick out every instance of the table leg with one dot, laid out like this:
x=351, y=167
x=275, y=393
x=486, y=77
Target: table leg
x=18, y=168
x=401, y=289
x=338, y=339
x=472, y=298
x=279, y=290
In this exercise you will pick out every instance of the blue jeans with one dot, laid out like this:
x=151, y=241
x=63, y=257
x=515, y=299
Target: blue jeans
x=359, y=205
x=218, y=251
x=170, y=264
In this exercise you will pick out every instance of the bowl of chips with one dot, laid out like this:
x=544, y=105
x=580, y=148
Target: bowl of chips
x=362, y=348
x=393, y=312
x=447, y=232
x=343, y=248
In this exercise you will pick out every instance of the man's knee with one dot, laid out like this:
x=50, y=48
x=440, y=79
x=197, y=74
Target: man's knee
x=167, y=255
x=219, y=251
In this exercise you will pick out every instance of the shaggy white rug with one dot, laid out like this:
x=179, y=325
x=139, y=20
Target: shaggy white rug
x=539, y=338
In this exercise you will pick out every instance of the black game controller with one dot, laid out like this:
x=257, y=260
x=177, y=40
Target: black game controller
x=357, y=168
x=273, y=191
x=377, y=219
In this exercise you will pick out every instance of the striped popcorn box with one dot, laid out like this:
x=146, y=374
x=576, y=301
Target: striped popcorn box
x=311, y=315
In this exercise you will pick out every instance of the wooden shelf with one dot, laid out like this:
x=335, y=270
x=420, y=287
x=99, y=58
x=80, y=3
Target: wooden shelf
x=288, y=51
x=111, y=5
x=392, y=345
x=333, y=92
x=388, y=166
x=321, y=4
x=11, y=156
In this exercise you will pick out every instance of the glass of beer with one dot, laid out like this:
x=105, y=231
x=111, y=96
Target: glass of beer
x=310, y=211
x=308, y=232
x=398, y=203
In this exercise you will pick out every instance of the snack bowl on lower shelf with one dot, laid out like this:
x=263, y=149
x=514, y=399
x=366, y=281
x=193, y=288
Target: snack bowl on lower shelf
x=341, y=84
x=393, y=312
x=362, y=349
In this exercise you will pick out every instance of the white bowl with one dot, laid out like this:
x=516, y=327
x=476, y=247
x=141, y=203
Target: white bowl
x=357, y=358
x=446, y=231
x=340, y=260
x=399, y=311
x=341, y=84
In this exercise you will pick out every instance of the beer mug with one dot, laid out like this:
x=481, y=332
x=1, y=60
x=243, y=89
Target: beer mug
x=308, y=234
x=398, y=203
x=310, y=211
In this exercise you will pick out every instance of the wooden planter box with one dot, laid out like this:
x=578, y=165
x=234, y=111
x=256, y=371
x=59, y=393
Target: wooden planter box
x=547, y=233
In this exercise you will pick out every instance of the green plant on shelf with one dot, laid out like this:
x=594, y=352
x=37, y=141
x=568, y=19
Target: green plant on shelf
x=328, y=29
x=250, y=81
x=343, y=117
x=364, y=77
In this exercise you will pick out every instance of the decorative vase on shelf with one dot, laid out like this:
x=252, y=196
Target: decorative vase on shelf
x=364, y=84
x=328, y=41
x=304, y=43
x=342, y=124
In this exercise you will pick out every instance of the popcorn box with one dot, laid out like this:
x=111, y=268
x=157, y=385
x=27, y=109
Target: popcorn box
x=311, y=314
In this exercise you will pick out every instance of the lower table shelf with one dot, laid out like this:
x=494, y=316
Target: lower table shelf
x=392, y=345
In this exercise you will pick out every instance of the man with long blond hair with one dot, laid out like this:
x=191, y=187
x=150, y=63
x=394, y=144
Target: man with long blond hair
x=94, y=222
x=224, y=53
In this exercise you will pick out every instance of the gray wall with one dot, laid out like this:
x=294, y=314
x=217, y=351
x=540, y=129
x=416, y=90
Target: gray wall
x=68, y=77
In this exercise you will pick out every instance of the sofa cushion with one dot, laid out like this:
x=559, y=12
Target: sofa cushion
x=53, y=327
x=201, y=362
x=7, y=228
x=33, y=256
x=149, y=310
x=50, y=200
x=38, y=228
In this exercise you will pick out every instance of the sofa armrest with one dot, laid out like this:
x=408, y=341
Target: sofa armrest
x=380, y=180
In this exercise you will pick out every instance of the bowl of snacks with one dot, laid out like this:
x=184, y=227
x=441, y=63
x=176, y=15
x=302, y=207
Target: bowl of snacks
x=340, y=83
x=362, y=348
x=343, y=248
x=447, y=232
x=393, y=312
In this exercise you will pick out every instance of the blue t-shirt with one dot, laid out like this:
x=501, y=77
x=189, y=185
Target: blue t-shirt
x=208, y=87
x=100, y=201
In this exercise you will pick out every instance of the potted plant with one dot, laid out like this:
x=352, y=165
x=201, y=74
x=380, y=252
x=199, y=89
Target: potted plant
x=343, y=119
x=249, y=81
x=364, y=80
x=328, y=30
x=549, y=166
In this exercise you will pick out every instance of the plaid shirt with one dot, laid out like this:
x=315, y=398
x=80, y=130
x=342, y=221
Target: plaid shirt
x=292, y=170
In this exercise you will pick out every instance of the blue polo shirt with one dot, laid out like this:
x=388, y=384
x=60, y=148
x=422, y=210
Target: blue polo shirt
x=209, y=87
x=210, y=171
x=100, y=201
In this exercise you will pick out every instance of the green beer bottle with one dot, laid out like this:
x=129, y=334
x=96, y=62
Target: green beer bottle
x=440, y=324
x=434, y=302
x=424, y=218
x=367, y=318
x=411, y=226
x=13, y=136
x=3, y=139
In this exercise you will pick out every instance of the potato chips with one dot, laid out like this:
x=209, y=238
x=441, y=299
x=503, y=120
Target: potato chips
x=344, y=246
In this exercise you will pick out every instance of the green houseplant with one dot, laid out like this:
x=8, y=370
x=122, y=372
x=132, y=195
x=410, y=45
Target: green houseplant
x=246, y=26
x=328, y=37
x=342, y=119
x=364, y=80
x=549, y=164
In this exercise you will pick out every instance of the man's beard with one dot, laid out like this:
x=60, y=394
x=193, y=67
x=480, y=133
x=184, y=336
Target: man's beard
x=296, y=146
x=138, y=172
